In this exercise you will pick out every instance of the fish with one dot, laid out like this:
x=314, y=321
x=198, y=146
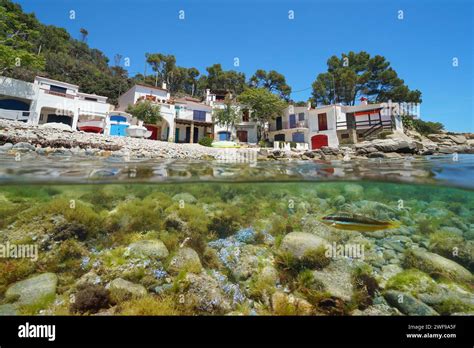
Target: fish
x=359, y=223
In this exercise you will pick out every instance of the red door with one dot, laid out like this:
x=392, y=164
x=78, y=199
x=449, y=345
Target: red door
x=318, y=141
x=242, y=136
x=154, y=131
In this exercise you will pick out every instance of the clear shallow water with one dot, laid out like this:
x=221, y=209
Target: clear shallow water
x=204, y=248
x=73, y=169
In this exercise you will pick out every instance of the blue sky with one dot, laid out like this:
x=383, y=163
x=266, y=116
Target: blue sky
x=421, y=47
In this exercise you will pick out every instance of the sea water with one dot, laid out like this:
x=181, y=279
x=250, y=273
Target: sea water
x=200, y=238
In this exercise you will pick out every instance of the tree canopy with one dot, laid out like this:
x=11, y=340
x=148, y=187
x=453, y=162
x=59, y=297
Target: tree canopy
x=145, y=111
x=356, y=75
x=273, y=81
x=265, y=106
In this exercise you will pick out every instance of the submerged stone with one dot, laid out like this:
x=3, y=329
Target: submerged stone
x=408, y=304
x=153, y=248
x=299, y=244
x=185, y=197
x=33, y=290
x=123, y=290
x=185, y=259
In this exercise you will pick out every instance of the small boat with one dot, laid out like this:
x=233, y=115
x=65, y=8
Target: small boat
x=95, y=125
x=355, y=222
x=138, y=131
x=225, y=144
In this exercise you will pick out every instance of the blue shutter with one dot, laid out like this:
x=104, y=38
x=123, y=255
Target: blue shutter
x=298, y=137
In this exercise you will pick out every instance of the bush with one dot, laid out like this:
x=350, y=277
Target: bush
x=206, y=141
x=422, y=127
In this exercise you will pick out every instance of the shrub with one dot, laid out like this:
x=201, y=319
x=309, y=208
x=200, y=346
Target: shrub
x=422, y=127
x=205, y=141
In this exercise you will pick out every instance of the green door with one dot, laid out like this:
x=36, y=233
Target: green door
x=176, y=135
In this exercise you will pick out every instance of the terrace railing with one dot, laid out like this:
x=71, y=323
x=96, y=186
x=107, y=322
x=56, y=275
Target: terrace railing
x=288, y=125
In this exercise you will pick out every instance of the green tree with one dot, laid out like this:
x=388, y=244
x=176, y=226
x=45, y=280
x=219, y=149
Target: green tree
x=220, y=80
x=354, y=75
x=227, y=116
x=163, y=65
x=145, y=111
x=265, y=107
x=273, y=81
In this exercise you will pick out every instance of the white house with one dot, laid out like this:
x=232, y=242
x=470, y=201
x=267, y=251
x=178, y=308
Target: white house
x=16, y=97
x=332, y=125
x=193, y=120
x=243, y=131
x=62, y=102
x=164, y=130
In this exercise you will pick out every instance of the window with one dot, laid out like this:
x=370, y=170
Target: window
x=90, y=99
x=301, y=116
x=322, y=122
x=245, y=116
x=344, y=136
x=298, y=137
x=199, y=115
x=57, y=89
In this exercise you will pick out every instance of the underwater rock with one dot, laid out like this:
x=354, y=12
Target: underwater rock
x=336, y=279
x=284, y=304
x=123, y=290
x=185, y=259
x=314, y=226
x=153, y=248
x=174, y=222
x=33, y=290
x=8, y=309
x=435, y=264
x=89, y=278
x=408, y=304
x=185, y=197
x=387, y=272
x=412, y=281
x=299, y=244
x=248, y=261
x=269, y=274
x=204, y=294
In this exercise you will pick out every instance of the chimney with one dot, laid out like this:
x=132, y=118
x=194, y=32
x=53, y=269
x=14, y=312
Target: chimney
x=309, y=105
x=163, y=85
x=363, y=101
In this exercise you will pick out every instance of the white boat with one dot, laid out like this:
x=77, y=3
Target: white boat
x=138, y=131
x=92, y=126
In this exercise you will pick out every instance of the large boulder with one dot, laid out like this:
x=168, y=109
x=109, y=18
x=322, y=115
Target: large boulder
x=34, y=290
x=185, y=259
x=153, y=248
x=408, y=304
x=435, y=264
x=301, y=244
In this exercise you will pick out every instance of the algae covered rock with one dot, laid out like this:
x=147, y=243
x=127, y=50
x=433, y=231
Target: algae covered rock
x=435, y=264
x=186, y=259
x=408, y=304
x=185, y=197
x=202, y=293
x=153, y=248
x=336, y=279
x=123, y=290
x=300, y=244
x=34, y=290
x=283, y=304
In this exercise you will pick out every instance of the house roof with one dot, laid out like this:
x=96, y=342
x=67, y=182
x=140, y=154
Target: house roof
x=48, y=80
x=361, y=107
x=152, y=87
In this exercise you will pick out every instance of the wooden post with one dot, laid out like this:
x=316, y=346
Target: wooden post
x=192, y=133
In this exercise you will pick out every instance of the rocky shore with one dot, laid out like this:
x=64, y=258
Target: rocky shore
x=46, y=139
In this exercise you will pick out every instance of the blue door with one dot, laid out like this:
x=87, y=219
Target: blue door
x=223, y=136
x=176, y=135
x=118, y=130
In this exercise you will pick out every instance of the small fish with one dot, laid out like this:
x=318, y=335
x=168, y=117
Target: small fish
x=356, y=222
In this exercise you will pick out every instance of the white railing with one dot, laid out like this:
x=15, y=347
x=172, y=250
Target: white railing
x=15, y=115
x=286, y=146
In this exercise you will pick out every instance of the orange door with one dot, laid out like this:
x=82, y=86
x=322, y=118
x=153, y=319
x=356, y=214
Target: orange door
x=318, y=141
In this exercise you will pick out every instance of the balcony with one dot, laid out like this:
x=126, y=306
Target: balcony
x=59, y=94
x=288, y=125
